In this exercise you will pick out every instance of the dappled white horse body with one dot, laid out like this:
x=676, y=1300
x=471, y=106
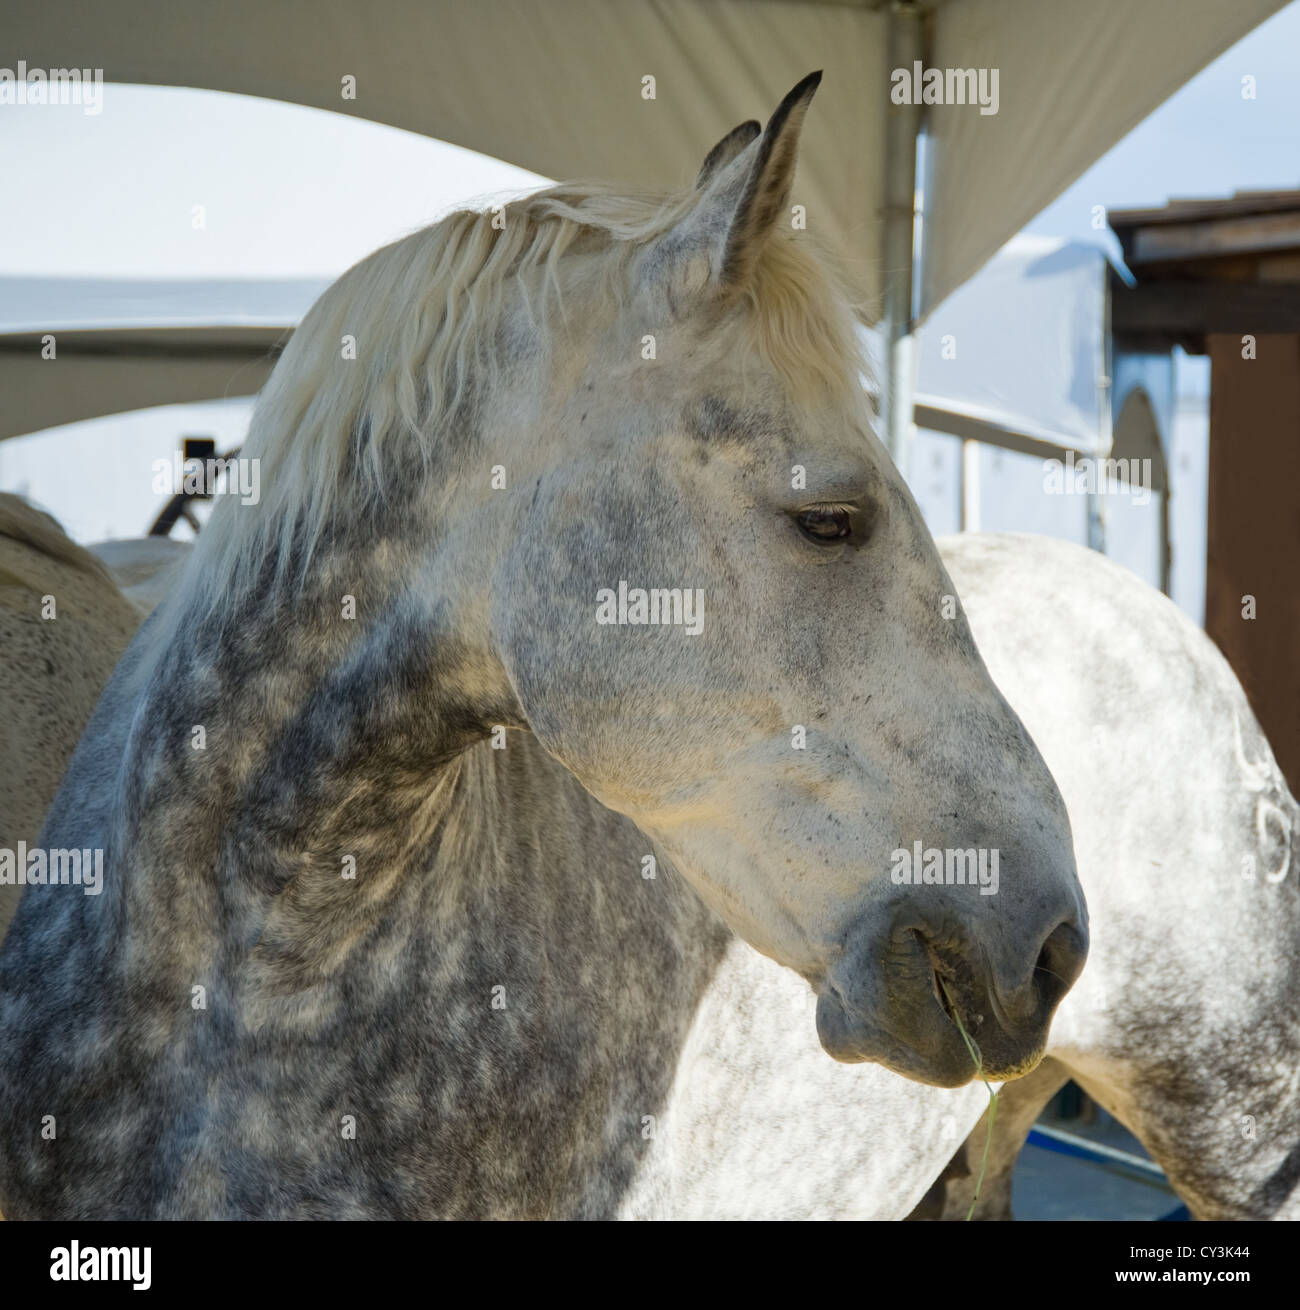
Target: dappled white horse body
x=761, y=1125
x=1185, y=1023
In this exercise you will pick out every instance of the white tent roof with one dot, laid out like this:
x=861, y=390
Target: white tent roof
x=124, y=344
x=557, y=87
x=1022, y=345
x=56, y=304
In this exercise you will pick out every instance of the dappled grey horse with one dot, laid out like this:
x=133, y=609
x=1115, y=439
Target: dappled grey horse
x=423, y=880
x=1185, y=1023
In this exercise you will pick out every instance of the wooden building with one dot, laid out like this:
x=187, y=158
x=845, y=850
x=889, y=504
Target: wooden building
x=1222, y=278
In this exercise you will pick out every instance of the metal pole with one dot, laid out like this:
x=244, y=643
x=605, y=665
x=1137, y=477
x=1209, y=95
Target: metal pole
x=904, y=47
x=970, y=486
x=1105, y=432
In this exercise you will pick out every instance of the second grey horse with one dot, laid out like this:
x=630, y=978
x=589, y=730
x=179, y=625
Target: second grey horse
x=1185, y=1023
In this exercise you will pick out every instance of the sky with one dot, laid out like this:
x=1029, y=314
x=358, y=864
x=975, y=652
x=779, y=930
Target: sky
x=286, y=191
x=1205, y=140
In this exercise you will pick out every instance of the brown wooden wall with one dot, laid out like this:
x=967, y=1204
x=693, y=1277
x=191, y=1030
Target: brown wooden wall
x=1253, y=530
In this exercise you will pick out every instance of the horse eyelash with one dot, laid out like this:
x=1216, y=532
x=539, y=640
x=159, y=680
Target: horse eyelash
x=848, y=506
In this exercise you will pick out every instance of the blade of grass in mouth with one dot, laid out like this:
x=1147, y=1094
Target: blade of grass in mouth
x=993, y=1096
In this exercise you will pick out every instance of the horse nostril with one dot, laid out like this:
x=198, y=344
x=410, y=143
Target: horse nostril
x=1059, y=963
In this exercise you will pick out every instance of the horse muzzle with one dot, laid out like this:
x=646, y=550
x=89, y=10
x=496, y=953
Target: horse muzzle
x=905, y=999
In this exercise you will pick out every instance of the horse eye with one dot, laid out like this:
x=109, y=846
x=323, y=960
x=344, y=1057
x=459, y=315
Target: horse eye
x=825, y=525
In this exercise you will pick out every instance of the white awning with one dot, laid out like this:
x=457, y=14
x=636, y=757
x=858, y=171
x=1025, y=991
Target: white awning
x=125, y=344
x=558, y=87
x=561, y=88
x=1022, y=345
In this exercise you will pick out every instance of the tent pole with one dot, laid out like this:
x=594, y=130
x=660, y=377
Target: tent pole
x=904, y=46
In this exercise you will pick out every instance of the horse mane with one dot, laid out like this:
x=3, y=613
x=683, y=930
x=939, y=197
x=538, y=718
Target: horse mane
x=426, y=314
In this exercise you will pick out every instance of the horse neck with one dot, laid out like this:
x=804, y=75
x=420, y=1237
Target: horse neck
x=317, y=816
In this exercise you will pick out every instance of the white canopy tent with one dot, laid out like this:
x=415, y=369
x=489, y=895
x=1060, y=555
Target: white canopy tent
x=638, y=90
x=126, y=344
x=1016, y=360
x=1022, y=358
x=1016, y=357
x=1020, y=351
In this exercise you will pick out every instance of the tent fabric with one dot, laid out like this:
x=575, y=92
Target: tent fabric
x=103, y=373
x=1023, y=343
x=125, y=344
x=558, y=88
x=1073, y=79
x=52, y=304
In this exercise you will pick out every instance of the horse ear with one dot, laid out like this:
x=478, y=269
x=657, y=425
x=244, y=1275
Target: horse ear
x=726, y=150
x=744, y=188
